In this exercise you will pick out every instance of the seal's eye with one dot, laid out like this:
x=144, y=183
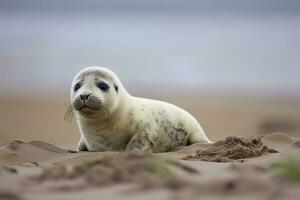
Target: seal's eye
x=103, y=86
x=77, y=86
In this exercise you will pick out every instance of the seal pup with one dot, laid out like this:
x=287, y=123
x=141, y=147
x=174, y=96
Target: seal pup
x=110, y=119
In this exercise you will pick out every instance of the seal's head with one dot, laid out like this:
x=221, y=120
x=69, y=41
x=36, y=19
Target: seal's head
x=96, y=92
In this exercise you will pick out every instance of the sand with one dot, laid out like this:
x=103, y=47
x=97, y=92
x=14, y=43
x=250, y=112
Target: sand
x=40, y=170
x=232, y=148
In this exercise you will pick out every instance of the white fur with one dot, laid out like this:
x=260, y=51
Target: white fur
x=132, y=120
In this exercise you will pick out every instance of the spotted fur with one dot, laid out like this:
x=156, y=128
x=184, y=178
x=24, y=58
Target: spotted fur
x=116, y=121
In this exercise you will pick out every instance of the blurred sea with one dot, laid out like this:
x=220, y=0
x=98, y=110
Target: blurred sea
x=152, y=46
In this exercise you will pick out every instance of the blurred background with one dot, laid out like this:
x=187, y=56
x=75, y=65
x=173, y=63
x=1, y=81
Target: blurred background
x=233, y=64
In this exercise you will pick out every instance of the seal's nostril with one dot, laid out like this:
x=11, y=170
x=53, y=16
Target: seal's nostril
x=84, y=96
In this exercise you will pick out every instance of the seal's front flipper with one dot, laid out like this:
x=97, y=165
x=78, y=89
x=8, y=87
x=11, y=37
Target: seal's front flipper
x=139, y=144
x=82, y=146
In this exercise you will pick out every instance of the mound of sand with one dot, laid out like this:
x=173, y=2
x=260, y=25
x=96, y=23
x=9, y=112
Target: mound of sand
x=232, y=148
x=145, y=170
x=18, y=152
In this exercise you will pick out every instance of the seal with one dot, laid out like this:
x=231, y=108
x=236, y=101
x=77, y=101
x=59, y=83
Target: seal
x=110, y=119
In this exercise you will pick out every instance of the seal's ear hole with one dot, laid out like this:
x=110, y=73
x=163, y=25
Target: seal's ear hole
x=116, y=87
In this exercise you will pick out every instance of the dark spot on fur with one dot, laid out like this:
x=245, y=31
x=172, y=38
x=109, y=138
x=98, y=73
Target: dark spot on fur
x=116, y=88
x=131, y=117
x=140, y=142
x=180, y=124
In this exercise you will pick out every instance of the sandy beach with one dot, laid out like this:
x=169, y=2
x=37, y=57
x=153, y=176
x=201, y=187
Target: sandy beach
x=248, y=159
x=234, y=168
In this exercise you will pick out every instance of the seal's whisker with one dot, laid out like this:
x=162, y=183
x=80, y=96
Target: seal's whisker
x=106, y=111
x=69, y=114
x=105, y=108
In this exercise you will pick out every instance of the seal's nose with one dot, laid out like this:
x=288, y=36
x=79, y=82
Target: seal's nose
x=84, y=97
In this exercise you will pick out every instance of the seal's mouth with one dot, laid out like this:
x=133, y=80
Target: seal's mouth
x=91, y=108
x=86, y=107
x=88, y=110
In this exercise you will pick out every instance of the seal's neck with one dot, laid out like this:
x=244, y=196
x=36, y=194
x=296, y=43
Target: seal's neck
x=121, y=111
